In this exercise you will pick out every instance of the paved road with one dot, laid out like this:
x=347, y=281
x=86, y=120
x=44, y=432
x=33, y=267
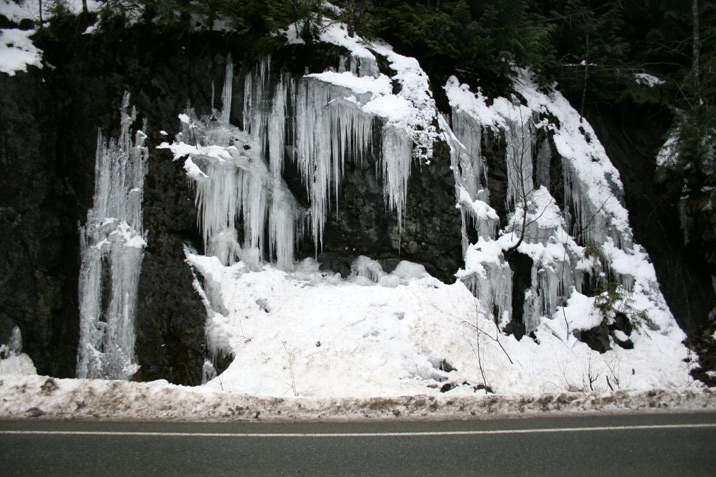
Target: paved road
x=683, y=444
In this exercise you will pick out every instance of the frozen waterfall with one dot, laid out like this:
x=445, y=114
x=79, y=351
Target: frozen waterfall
x=112, y=248
x=317, y=122
x=574, y=245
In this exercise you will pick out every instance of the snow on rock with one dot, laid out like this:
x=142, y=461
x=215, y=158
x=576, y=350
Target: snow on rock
x=18, y=10
x=12, y=359
x=585, y=240
x=647, y=79
x=17, y=51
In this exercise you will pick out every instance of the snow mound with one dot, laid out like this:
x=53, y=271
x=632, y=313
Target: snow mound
x=374, y=334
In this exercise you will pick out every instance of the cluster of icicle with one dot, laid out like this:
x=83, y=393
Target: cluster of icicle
x=549, y=233
x=112, y=248
x=237, y=170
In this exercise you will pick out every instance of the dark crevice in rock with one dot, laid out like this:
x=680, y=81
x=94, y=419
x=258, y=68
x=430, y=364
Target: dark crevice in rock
x=632, y=143
x=521, y=266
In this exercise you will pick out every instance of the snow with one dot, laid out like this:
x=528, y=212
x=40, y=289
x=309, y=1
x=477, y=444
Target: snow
x=311, y=333
x=17, y=51
x=337, y=34
x=50, y=398
x=360, y=85
x=668, y=154
x=17, y=364
x=308, y=344
x=647, y=79
x=16, y=11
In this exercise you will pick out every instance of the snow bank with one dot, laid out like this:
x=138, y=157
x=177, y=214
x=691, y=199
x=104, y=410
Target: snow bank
x=24, y=397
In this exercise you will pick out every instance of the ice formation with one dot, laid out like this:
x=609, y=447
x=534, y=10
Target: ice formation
x=392, y=331
x=12, y=359
x=318, y=121
x=574, y=246
x=112, y=248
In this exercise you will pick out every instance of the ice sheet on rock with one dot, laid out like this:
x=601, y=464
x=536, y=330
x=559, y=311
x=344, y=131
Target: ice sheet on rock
x=489, y=277
x=112, y=248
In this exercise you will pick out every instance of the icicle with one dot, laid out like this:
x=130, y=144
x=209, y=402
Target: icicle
x=321, y=124
x=397, y=156
x=491, y=284
x=241, y=182
x=112, y=239
x=227, y=93
x=326, y=127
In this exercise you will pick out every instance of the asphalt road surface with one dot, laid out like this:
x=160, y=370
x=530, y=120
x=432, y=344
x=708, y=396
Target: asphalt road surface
x=655, y=445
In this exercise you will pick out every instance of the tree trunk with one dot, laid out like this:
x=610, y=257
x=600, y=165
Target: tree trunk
x=695, y=60
x=351, y=18
x=586, y=75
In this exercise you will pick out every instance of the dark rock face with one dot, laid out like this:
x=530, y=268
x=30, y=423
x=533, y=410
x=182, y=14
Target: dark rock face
x=170, y=318
x=363, y=224
x=39, y=210
x=48, y=135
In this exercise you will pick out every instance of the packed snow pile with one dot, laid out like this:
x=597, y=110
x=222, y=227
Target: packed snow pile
x=311, y=333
